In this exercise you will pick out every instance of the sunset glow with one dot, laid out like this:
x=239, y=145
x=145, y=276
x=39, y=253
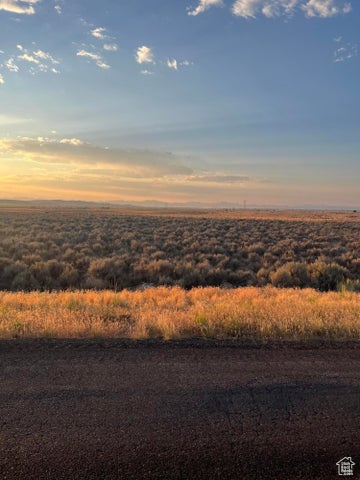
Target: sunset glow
x=190, y=101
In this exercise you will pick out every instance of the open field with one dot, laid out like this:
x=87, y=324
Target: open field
x=174, y=313
x=107, y=376
x=285, y=214
x=116, y=248
x=112, y=410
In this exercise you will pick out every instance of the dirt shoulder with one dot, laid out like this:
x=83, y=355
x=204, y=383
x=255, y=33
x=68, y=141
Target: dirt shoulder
x=194, y=409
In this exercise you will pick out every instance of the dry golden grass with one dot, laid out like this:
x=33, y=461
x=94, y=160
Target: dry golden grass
x=172, y=313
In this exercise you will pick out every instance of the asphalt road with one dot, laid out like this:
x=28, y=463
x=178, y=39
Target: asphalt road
x=95, y=410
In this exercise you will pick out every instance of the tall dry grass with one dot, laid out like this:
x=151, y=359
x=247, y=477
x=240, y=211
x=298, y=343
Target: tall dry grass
x=172, y=313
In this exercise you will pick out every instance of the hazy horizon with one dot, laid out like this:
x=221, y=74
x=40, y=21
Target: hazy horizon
x=151, y=203
x=198, y=101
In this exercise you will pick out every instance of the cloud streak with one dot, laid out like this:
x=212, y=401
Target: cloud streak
x=172, y=64
x=110, y=47
x=219, y=178
x=33, y=61
x=99, y=33
x=28, y=58
x=95, y=57
x=24, y=7
x=325, y=8
x=11, y=65
x=72, y=168
x=205, y=5
x=45, y=56
x=276, y=8
x=72, y=151
x=345, y=51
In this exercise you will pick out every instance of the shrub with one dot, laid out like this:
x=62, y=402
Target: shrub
x=292, y=274
x=327, y=276
x=87, y=249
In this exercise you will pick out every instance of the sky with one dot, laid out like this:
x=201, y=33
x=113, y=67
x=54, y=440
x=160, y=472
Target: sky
x=181, y=101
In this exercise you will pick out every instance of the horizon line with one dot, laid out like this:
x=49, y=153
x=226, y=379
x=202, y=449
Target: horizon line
x=191, y=205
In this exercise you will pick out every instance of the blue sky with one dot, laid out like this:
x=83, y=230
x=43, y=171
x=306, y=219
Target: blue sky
x=189, y=100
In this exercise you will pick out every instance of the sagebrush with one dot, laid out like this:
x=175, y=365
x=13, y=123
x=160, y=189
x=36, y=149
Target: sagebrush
x=89, y=249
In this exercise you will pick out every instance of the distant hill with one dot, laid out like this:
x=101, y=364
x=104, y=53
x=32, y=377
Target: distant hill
x=6, y=203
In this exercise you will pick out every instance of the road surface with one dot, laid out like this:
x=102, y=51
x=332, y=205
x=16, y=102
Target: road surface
x=96, y=410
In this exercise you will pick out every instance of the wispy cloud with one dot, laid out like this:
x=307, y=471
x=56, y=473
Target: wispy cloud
x=24, y=7
x=95, y=57
x=2, y=81
x=6, y=120
x=205, y=5
x=277, y=8
x=345, y=50
x=72, y=168
x=269, y=8
x=219, y=178
x=99, y=33
x=172, y=64
x=28, y=58
x=73, y=151
x=175, y=64
x=45, y=56
x=325, y=8
x=75, y=142
x=11, y=65
x=41, y=61
x=144, y=54
x=111, y=47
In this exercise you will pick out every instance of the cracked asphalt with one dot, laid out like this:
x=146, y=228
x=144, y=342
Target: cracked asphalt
x=96, y=410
